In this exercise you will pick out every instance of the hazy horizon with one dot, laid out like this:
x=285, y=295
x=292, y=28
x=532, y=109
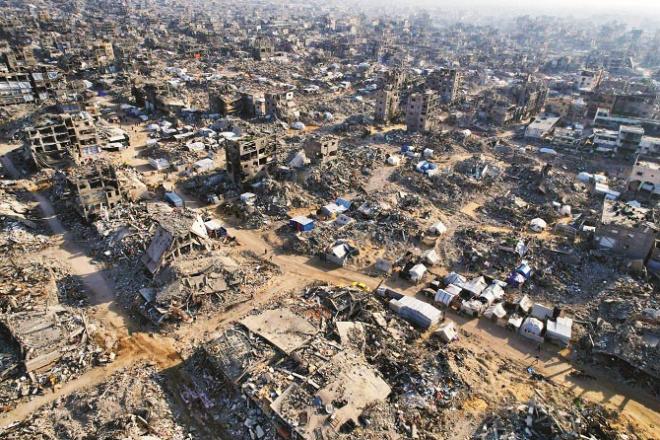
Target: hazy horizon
x=649, y=9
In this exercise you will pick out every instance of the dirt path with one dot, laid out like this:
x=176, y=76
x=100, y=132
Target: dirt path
x=635, y=404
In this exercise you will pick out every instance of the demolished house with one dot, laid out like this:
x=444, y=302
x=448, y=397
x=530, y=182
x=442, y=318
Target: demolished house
x=177, y=234
x=342, y=388
x=317, y=367
x=321, y=149
x=183, y=287
x=42, y=337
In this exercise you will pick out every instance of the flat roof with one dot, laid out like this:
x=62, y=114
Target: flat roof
x=620, y=213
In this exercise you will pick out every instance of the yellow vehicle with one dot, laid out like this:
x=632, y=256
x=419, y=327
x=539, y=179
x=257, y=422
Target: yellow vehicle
x=360, y=285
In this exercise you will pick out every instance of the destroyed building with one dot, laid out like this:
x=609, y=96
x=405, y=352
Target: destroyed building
x=96, y=188
x=421, y=111
x=54, y=341
x=590, y=79
x=281, y=105
x=186, y=284
x=626, y=230
x=177, y=234
x=328, y=364
x=248, y=157
x=29, y=87
x=320, y=149
x=262, y=49
x=387, y=106
x=447, y=82
x=388, y=99
x=16, y=58
x=62, y=140
x=157, y=96
x=232, y=103
x=344, y=386
x=103, y=52
x=518, y=102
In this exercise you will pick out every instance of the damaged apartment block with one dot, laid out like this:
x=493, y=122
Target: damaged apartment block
x=97, y=188
x=322, y=148
x=447, y=82
x=388, y=99
x=262, y=49
x=247, y=158
x=62, y=140
x=421, y=110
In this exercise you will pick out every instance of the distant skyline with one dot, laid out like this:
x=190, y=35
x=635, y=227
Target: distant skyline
x=553, y=7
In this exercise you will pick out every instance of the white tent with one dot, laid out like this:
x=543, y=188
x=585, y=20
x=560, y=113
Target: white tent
x=532, y=328
x=560, y=330
x=447, y=331
x=417, y=272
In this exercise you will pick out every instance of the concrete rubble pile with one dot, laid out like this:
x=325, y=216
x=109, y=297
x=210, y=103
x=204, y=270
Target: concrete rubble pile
x=19, y=229
x=52, y=342
x=449, y=190
x=537, y=420
x=347, y=173
x=132, y=403
x=334, y=362
x=623, y=331
x=201, y=283
x=124, y=231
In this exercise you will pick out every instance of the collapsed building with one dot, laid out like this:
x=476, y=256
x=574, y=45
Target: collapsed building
x=326, y=365
x=62, y=140
x=281, y=105
x=185, y=284
x=320, y=149
x=49, y=341
x=177, y=234
x=156, y=96
x=242, y=103
x=17, y=57
x=262, y=49
x=248, y=157
x=96, y=188
x=30, y=87
x=518, y=102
